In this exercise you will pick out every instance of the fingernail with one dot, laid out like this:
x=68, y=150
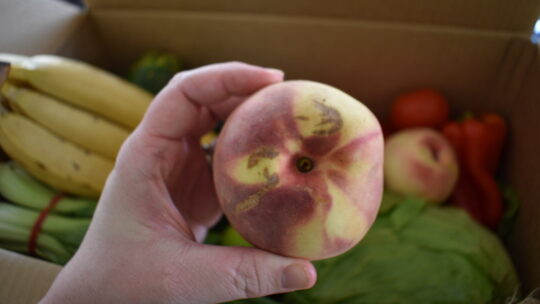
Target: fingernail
x=295, y=277
x=275, y=71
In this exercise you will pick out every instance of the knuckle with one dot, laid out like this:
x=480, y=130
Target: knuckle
x=180, y=76
x=246, y=278
x=237, y=63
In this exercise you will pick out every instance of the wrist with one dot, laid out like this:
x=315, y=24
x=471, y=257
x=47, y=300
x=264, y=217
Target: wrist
x=79, y=282
x=68, y=288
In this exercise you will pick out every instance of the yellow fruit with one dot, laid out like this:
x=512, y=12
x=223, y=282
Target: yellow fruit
x=85, y=86
x=78, y=126
x=51, y=159
x=208, y=139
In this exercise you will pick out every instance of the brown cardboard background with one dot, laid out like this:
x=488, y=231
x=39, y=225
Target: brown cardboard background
x=24, y=279
x=523, y=167
x=31, y=26
x=85, y=45
x=372, y=61
x=514, y=15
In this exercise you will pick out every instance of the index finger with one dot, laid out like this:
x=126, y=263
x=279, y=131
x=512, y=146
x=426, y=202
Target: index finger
x=179, y=108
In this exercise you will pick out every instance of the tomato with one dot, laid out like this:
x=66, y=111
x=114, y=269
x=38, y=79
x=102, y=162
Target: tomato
x=420, y=108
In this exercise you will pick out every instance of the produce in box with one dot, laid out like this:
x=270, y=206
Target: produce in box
x=153, y=70
x=423, y=252
x=478, y=143
x=51, y=159
x=57, y=235
x=19, y=187
x=420, y=162
x=87, y=130
x=67, y=119
x=85, y=86
x=419, y=108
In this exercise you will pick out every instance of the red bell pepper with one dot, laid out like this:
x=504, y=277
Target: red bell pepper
x=478, y=143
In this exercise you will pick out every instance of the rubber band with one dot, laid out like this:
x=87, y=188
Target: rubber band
x=36, y=229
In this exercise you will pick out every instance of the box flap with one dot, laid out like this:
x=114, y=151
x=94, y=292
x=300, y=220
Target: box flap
x=515, y=15
x=45, y=26
x=24, y=280
x=523, y=166
x=372, y=61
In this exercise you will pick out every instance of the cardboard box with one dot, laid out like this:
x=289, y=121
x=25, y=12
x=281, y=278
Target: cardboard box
x=477, y=52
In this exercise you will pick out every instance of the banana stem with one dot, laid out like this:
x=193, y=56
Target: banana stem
x=19, y=187
x=66, y=230
x=4, y=71
x=18, y=72
x=16, y=239
x=19, y=64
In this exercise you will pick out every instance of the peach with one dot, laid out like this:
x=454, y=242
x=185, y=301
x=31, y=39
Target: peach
x=298, y=169
x=420, y=162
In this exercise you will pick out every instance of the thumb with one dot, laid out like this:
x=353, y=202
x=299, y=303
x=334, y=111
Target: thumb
x=241, y=272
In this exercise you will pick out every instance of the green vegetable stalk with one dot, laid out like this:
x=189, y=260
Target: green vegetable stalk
x=15, y=238
x=62, y=229
x=57, y=240
x=18, y=186
x=69, y=230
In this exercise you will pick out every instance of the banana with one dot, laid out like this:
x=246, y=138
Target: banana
x=14, y=59
x=51, y=159
x=19, y=187
x=88, y=130
x=85, y=86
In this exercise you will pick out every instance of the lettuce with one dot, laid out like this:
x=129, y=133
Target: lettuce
x=416, y=253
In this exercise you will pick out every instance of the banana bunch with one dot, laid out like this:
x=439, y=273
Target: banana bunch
x=66, y=119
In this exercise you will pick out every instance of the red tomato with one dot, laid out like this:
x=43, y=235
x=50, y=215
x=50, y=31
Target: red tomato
x=421, y=108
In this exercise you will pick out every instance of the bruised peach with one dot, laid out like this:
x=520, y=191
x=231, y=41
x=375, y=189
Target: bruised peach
x=298, y=169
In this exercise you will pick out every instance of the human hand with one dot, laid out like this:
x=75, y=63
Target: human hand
x=143, y=245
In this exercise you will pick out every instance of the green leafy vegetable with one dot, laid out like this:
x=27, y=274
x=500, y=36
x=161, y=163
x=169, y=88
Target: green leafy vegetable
x=416, y=253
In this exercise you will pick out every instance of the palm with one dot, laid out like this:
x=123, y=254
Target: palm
x=192, y=190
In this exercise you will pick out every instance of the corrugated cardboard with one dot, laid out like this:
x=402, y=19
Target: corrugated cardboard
x=522, y=167
x=31, y=19
x=379, y=56
x=477, y=52
x=515, y=15
x=24, y=279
